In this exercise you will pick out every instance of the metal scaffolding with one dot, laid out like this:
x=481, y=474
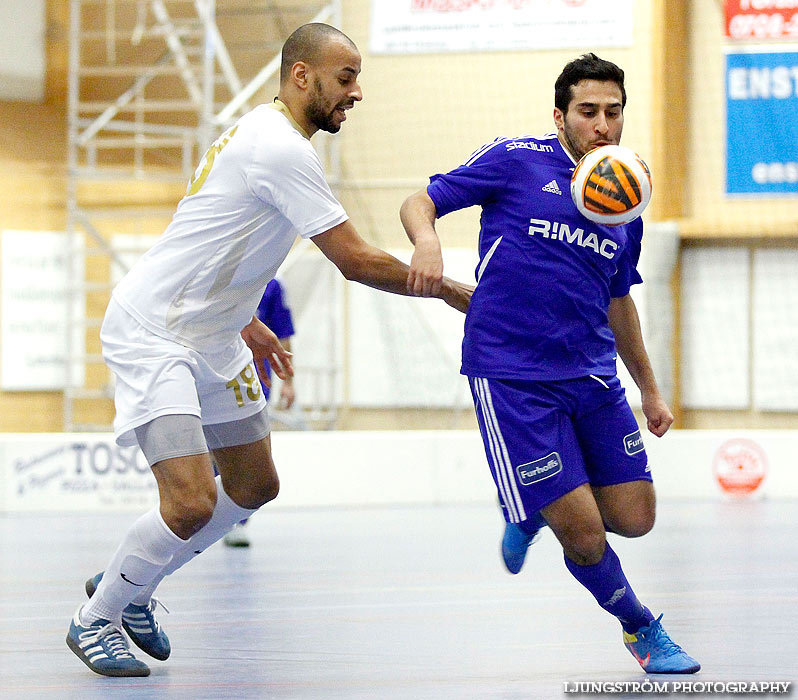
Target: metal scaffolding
x=151, y=83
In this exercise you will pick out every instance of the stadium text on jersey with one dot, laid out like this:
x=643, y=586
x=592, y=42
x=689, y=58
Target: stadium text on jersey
x=531, y=145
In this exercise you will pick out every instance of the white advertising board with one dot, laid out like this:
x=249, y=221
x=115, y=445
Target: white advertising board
x=35, y=298
x=23, y=63
x=89, y=473
x=440, y=26
x=67, y=472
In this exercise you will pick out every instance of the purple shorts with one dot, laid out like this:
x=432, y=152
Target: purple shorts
x=543, y=439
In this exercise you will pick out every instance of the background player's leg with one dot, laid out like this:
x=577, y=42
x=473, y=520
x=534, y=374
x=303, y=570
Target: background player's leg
x=238, y=537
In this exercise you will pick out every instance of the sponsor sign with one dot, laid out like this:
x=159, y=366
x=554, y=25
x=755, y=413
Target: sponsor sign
x=761, y=19
x=540, y=469
x=23, y=61
x=740, y=466
x=35, y=310
x=762, y=123
x=439, y=26
x=75, y=473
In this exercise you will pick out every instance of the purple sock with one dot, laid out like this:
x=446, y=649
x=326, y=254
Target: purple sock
x=608, y=584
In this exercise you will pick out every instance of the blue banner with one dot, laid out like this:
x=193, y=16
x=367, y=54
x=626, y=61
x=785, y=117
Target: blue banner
x=762, y=123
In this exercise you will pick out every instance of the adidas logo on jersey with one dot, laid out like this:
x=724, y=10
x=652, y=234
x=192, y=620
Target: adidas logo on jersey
x=551, y=187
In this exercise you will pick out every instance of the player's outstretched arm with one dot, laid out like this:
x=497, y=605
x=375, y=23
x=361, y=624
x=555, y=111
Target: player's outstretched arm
x=266, y=346
x=625, y=325
x=418, y=215
x=362, y=262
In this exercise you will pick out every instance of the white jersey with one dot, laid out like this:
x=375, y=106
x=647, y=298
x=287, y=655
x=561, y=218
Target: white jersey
x=258, y=186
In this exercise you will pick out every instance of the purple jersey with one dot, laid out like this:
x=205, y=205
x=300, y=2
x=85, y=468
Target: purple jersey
x=546, y=273
x=273, y=311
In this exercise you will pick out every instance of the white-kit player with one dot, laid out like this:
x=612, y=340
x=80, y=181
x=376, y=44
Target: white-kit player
x=180, y=336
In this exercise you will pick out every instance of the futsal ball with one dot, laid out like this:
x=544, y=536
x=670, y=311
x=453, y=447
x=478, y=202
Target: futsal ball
x=611, y=185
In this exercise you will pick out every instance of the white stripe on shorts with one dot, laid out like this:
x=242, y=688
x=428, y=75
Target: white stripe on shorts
x=490, y=433
x=501, y=483
x=505, y=477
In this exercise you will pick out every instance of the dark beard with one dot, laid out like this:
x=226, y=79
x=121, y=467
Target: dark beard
x=316, y=114
x=572, y=146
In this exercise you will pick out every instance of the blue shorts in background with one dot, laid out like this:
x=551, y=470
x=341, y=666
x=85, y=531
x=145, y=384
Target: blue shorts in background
x=543, y=439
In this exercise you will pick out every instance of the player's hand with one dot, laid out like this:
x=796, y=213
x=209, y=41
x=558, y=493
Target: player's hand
x=456, y=294
x=426, y=269
x=287, y=395
x=266, y=346
x=657, y=414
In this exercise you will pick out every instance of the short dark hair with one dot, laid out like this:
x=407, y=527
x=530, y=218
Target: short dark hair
x=586, y=67
x=306, y=44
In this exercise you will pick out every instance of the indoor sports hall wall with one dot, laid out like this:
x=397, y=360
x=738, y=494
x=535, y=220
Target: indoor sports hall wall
x=426, y=113
x=88, y=473
x=732, y=344
x=738, y=364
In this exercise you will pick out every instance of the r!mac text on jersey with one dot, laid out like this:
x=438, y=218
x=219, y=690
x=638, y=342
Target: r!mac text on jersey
x=556, y=230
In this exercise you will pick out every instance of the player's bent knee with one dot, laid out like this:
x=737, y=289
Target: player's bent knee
x=189, y=514
x=636, y=521
x=254, y=495
x=274, y=490
x=199, y=512
x=585, y=548
x=628, y=510
x=269, y=492
x=638, y=526
x=186, y=524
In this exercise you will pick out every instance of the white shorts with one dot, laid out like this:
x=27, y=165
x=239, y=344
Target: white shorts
x=158, y=377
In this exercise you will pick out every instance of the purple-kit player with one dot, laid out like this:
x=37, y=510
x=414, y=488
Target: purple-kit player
x=274, y=312
x=549, y=314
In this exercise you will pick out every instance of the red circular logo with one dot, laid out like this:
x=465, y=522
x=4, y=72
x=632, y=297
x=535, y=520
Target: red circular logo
x=740, y=465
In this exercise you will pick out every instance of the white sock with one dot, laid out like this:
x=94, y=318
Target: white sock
x=148, y=545
x=225, y=516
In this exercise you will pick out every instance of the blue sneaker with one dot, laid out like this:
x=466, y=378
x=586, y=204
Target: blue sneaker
x=514, y=545
x=140, y=623
x=656, y=652
x=103, y=648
